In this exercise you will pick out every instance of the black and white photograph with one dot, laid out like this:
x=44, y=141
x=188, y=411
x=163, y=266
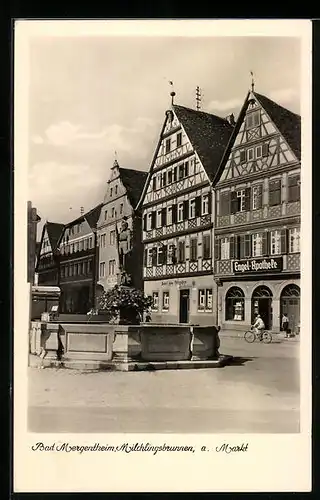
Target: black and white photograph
x=163, y=178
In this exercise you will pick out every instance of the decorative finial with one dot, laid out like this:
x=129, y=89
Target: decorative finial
x=172, y=93
x=115, y=163
x=252, y=81
x=198, y=98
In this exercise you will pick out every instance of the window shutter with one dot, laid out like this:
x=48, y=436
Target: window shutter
x=237, y=247
x=247, y=199
x=265, y=243
x=164, y=252
x=275, y=192
x=174, y=174
x=198, y=206
x=232, y=247
x=145, y=222
x=209, y=202
x=186, y=169
x=185, y=209
x=259, y=196
x=193, y=249
x=284, y=240
x=145, y=260
x=174, y=214
x=242, y=246
x=206, y=246
x=243, y=156
x=225, y=203
x=164, y=179
x=181, y=171
x=265, y=149
x=234, y=202
x=217, y=249
x=247, y=245
x=154, y=256
x=154, y=183
x=153, y=220
x=164, y=217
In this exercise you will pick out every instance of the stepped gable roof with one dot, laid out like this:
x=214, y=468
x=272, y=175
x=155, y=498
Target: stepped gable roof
x=287, y=122
x=133, y=181
x=209, y=135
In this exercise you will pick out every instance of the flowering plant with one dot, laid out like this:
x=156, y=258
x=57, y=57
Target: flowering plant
x=124, y=302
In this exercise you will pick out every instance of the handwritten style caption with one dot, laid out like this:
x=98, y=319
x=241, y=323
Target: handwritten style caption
x=137, y=447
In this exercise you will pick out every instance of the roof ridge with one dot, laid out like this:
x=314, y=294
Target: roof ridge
x=196, y=111
x=276, y=104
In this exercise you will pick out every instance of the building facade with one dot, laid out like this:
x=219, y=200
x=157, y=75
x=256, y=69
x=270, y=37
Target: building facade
x=177, y=210
x=257, y=234
x=47, y=265
x=122, y=194
x=78, y=262
x=33, y=220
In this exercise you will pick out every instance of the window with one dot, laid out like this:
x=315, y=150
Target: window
x=121, y=208
x=154, y=184
x=257, y=245
x=294, y=240
x=234, y=304
x=163, y=179
x=275, y=192
x=179, y=139
x=80, y=246
x=293, y=188
x=181, y=251
x=241, y=200
x=113, y=211
x=224, y=203
x=206, y=246
x=149, y=221
x=169, y=176
x=85, y=244
x=105, y=214
x=159, y=218
x=250, y=154
x=256, y=197
x=205, y=299
x=193, y=249
x=76, y=247
x=205, y=204
x=259, y=152
x=180, y=212
x=192, y=208
x=168, y=146
x=102, y=269
x=174, y=174
x=165, y=301
x=275, y=242
x=253, y=119
x=172, y=258
x=169, y=215
x=155, y=301
x=112, y=267
x=89, y=266
x=90, y=242
x=116, y=190
x=111, y=192
x=112, y=237
x=225, y=249
x=149, y=257
x=103, y=240
x=161, y=255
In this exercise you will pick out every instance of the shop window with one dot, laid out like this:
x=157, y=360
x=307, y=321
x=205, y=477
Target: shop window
x=155, y=301
x=165, y=301
x=234, y=309
x=205, y=299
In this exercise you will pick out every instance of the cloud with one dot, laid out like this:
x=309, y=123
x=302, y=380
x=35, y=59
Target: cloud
x=224, y=106
x=283, y=95
x=37, y=139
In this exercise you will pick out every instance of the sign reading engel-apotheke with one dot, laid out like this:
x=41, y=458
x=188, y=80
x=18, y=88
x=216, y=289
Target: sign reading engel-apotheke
x=273, y=264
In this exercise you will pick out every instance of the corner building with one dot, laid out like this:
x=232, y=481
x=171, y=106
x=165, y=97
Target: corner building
x=257, y=234
x=178, y=217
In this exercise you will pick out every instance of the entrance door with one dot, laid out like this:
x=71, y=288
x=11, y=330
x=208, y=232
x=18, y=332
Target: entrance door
x=184, y=306
x=290, y=304
x=262, y=304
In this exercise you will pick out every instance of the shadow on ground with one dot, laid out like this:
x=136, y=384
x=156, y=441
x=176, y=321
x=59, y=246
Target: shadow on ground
x=239, y=361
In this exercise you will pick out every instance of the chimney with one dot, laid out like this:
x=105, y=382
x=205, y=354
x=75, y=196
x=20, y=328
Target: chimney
x=231, y=119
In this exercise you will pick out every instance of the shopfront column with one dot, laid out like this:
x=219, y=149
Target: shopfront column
x=276, y=320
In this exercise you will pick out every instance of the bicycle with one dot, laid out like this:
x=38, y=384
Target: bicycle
x=250, y=336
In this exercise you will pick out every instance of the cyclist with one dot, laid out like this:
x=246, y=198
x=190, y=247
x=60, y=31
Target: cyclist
x=259, y=327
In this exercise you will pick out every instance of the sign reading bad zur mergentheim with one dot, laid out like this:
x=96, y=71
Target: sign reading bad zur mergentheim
x=257, y=265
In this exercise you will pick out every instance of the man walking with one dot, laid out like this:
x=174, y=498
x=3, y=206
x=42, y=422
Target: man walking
x=285, y=325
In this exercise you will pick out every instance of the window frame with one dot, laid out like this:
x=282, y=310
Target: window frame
x=165, y=300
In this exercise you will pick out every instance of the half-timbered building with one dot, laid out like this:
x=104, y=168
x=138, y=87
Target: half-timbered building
x=123, y=191
x=178, y=217
x=77, y=257
x=47, y=262
x=257, y=234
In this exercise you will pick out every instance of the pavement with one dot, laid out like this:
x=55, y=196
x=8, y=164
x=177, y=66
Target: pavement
x=257, y=393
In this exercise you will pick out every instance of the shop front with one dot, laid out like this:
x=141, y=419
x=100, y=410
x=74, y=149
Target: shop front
x=189, y=300
x=259, y=286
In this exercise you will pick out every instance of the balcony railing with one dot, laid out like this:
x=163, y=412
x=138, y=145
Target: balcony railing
x=185, y=225
x=265, y=213
x=186, y=267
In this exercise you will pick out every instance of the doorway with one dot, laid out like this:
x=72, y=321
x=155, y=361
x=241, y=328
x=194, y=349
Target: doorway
x=290, y=304
x=262, y=304
x=184, y=306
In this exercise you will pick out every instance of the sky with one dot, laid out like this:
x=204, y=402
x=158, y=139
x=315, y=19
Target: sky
x=90, y=97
